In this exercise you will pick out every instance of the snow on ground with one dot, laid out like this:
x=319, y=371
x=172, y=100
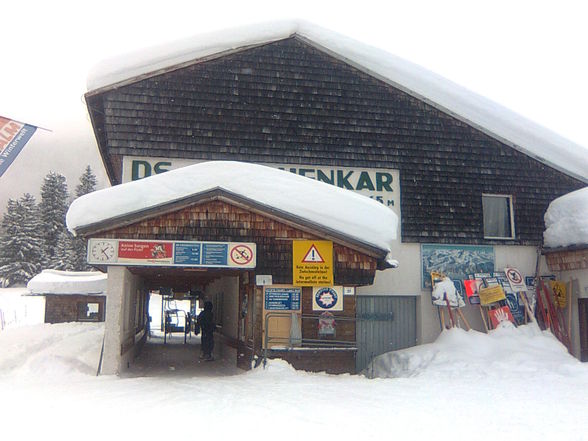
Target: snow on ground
x=566, y=220
x=511, y=384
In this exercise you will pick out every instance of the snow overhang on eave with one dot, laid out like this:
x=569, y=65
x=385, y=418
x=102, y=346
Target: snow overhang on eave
x=220, y=194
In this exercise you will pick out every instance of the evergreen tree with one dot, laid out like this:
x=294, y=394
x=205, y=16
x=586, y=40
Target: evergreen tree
x=87, y=183
x=78, y=247
x=21, y=250
x=53, y=206
x=65, y=257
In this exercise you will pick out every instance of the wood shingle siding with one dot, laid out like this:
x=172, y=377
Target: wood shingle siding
x=221, y=221
x=288, y=102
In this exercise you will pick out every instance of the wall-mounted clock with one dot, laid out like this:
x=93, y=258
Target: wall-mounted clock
x=102, y=251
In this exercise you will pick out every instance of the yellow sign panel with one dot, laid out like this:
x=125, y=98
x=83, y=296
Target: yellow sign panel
x=312, y=262
x=491, y=295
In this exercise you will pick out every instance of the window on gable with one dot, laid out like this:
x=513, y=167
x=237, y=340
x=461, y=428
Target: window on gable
x=498, y=216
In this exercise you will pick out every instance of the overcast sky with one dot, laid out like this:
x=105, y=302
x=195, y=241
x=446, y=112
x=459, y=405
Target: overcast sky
x=529, y=56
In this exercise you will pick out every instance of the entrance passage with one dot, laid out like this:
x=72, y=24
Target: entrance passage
x=175, y=297
x=174, y=358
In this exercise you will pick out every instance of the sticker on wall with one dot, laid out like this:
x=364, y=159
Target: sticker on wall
x=327, y=298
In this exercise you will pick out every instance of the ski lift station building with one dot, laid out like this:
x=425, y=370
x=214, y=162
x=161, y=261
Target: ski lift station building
x=193, y=136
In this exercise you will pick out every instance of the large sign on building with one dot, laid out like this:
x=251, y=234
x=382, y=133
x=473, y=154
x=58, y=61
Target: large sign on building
x=171, y=253
x=382, y=185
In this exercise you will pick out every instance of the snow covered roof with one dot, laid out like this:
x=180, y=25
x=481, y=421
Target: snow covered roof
x=566, y=220
x=492, y=118
x=345, y=212
x=68, y=282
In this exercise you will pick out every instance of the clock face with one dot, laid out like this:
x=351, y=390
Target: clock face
x=102, y=251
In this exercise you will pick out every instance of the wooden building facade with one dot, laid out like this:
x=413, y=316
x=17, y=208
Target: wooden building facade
x=293, y=101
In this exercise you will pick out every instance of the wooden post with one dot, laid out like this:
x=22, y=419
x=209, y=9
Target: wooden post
x=483, y=318
x=468, y=327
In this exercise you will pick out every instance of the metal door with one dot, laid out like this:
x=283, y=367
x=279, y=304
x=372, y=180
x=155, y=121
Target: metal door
x=384, y=324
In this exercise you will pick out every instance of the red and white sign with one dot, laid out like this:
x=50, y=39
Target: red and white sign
x=515, y=279
x=500, y=315
x=131, y=251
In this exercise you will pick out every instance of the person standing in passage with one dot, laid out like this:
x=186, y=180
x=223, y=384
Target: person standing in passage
x=207, y=327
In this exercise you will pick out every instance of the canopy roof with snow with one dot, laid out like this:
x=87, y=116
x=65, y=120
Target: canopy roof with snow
x=68, y=282
x=566, y=220
x=475, y=110
x=337, y=211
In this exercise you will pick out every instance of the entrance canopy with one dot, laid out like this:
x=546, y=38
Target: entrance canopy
x=339, y=212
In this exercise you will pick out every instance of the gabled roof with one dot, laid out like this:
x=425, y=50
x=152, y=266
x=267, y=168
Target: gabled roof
x=485, y=115
x=340, y=213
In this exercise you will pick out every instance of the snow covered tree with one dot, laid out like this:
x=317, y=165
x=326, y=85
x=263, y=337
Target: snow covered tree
x=53, y=206
x=78, y=245
x=21, y=247
x=87, y=183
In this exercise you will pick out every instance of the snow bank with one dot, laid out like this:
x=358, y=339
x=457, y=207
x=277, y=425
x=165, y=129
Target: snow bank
x=68, y=282
x=51, y=350
x=492, y=118
x=337, y=209
x=19, y=309
x=504, y=352
x=566, y=220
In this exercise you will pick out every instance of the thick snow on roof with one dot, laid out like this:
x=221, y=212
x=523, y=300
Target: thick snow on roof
x=566, y=220
x=349, y=213
x=68, y=282
x=490, y=117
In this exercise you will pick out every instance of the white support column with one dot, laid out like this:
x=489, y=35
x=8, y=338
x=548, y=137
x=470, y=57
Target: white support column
x=113, y=330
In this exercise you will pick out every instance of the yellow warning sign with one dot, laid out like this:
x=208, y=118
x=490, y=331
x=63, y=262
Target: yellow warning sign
x=312, y=262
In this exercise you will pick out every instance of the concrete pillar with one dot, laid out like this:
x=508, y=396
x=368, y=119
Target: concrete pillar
x=113, y=326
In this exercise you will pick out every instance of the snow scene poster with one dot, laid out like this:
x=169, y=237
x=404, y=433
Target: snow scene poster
x=455, y=261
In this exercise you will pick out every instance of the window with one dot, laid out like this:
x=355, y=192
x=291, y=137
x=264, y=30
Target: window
x=89, y=311
x=498, y=216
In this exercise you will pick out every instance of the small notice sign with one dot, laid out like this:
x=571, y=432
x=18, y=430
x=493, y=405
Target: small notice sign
x=515, y=278
x=327, y=298
x=491, y=295
x=312, y=262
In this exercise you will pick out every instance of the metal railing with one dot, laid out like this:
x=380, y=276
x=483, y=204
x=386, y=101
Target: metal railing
x=313, y=337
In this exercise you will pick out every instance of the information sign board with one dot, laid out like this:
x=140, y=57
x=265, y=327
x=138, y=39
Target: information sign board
x=282, y=299
x=312, y=262
x=171, y=253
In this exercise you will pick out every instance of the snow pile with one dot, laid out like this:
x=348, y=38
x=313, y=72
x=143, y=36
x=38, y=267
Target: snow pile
x=51, y=350
x=316, y=202
x=19, y=309
x=68, y=282
x=566, y=220
x=506, y=352
x=492, y=118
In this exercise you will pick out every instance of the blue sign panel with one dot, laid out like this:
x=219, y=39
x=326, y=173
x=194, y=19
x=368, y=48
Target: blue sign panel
x=283, y=299
x=215, y=254
x=187, y=253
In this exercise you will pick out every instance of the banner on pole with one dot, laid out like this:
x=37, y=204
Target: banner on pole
x=13, y=137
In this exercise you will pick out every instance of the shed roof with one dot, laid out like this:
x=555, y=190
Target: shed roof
x=68, y=282
x=347, y=213
x=491, y=118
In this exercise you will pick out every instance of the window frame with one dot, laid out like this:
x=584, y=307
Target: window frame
x=511, y=215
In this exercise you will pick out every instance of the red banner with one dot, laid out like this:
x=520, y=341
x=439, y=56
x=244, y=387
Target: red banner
x=139, y=251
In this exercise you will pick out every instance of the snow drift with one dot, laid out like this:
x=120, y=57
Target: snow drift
x=566, y=220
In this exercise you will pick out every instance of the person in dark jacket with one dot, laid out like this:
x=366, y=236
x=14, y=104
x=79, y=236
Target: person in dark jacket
x=207, y=327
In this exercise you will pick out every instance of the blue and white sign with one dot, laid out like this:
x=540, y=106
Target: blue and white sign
x=282, y=299
x=328, y=298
